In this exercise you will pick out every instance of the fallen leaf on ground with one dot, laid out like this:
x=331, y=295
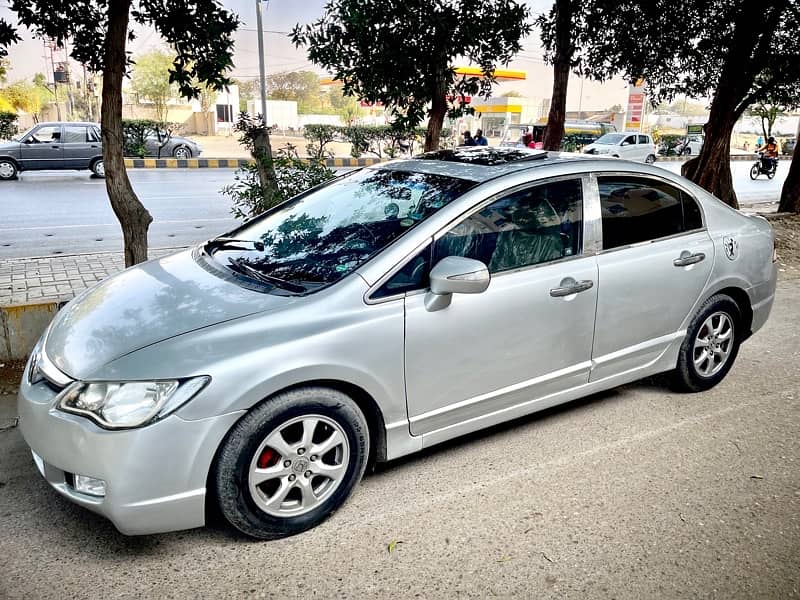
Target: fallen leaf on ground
x=392, y=546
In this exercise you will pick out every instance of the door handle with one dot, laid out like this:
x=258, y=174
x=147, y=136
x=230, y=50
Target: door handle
x=55, y=147
x=571, y=288
x=687, y=259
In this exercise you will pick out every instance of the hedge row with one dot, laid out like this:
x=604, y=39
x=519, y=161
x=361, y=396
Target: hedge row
x=380, y=140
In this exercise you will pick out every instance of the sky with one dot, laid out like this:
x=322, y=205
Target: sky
x=280, y=16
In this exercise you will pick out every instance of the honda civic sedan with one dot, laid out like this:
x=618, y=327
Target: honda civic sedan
x=381, y=313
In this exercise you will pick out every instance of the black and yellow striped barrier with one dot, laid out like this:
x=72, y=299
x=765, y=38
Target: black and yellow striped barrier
x=229, y=163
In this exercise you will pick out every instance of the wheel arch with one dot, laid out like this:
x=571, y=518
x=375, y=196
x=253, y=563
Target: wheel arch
x=13, y=160
x=742, y=300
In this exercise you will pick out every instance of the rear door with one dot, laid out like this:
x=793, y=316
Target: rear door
x=80, y=146
x=655, y=262
x=42, y=148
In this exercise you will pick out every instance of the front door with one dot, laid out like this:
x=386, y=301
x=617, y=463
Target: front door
x=628, y=149
x=529, y=334
x=42, y=149
x=656, y=260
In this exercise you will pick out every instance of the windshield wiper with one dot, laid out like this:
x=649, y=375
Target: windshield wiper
x=238, y=264
x=232, y=244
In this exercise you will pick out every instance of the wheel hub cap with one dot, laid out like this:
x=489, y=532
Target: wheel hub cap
x=713, y=344
x=298, y=466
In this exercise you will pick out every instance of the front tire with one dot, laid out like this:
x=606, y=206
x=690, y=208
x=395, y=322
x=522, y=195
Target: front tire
x=711, y=345
x=754, y=171
x=290, y=462
x=182, y=152
x=8, y=169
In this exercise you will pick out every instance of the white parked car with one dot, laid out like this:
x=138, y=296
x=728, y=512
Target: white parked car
x=632, y=146
x=690, y=146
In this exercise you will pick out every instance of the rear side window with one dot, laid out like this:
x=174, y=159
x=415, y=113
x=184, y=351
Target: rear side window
x=643, y=139
x=74, y=134
x=637, y=209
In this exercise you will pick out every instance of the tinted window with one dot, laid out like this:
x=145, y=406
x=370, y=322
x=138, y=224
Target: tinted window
x=412, y=276
x=93, y=134
x=636, y=209
x=643, y=139
x=528, y=227
x=74, y=134
x=631, y=139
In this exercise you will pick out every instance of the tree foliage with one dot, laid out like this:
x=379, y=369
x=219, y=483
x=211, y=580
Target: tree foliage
x=300, y=86
x=736, y=52
x=402, y=52
x=768, y=114
x=200, y=32
x=8, y=124
x=150, y=80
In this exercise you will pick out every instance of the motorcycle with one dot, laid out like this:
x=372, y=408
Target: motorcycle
x=759, y=168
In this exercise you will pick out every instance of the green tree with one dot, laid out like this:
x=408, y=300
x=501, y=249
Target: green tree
x=300, y=86
x=4, y=63
x=402, y=52
x=347, y=107
x=151, y=81
x=98, y=31
x=23, y=96
x=248, y=90
x=735, y=52
x=768, y=114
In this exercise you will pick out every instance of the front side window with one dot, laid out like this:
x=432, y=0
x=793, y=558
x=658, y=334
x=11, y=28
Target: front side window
x=631, y=139
x=45, y=135
x=528, y=227
x=319, y=238
x=638, y=209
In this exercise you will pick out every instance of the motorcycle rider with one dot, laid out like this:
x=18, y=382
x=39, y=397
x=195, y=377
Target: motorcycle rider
x=769, y=156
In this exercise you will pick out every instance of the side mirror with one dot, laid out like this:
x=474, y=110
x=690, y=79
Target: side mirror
x=625, y=144
x=455, y=275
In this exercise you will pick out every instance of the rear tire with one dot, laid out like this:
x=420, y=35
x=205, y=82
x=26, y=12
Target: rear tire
x=710, y=346
x=8, y=169
x=290, y=462
x=98, y=168
x=650, y=159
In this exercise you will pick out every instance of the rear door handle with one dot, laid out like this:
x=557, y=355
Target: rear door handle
x=56, y=147
x=569, y=286
x=687, y=259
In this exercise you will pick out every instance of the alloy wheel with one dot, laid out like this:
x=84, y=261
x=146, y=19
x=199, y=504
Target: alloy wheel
x=713, y=344
x=298, y=465
x=182, y=153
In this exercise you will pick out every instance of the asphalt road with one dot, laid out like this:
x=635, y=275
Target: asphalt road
x=634, y=493
x=52, y=213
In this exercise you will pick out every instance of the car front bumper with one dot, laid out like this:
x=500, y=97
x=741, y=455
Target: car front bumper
x=155, y=475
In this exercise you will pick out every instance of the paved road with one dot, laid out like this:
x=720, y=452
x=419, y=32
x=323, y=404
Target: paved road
x=760, y=190
x=46, y=214
x=634, y=493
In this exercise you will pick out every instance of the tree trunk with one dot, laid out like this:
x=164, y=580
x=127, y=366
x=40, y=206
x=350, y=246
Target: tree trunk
x=790, y=194
x=436, y=120
x=711, y=170
x=132, y=215
x=554, y=132
x=262, y=153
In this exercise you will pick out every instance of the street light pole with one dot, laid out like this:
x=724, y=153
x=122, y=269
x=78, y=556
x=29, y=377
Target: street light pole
x=261, y=64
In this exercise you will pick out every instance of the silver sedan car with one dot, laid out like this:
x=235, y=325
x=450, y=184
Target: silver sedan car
x=384, y=312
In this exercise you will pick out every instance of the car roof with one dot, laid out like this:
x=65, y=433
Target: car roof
x=67, y=123
x=480, y=163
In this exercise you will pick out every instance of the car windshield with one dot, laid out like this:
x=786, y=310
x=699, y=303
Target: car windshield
x=319, y=238
x=610, y=139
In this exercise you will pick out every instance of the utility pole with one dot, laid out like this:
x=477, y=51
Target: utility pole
x=50, y=44
x=261, y=63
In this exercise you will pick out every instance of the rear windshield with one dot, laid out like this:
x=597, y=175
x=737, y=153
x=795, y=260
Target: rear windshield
x=319, y=238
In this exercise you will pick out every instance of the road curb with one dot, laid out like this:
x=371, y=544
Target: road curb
x=231, y=163
x=21, y=325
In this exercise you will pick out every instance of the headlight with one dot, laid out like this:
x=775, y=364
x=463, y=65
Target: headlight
x=122, y=405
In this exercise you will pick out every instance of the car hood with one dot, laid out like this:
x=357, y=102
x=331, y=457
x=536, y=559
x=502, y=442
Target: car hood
x=145, y=304
x=9, y=145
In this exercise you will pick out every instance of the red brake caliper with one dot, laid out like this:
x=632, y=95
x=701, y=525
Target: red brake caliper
x=268, y=458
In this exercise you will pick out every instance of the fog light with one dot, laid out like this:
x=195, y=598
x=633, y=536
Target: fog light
x=90, y=485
